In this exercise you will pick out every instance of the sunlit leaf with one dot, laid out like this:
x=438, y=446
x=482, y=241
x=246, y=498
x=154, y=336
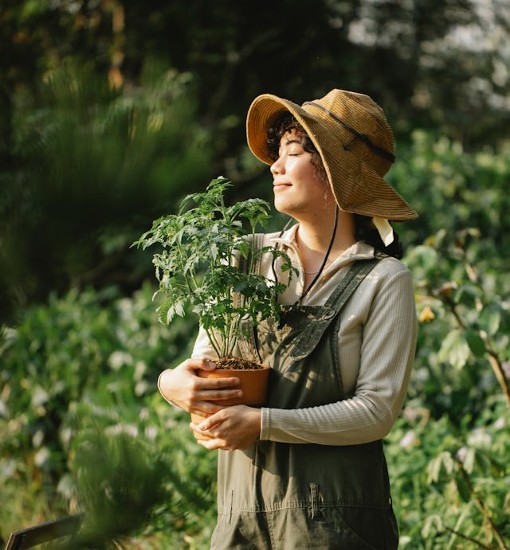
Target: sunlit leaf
x=455, y=349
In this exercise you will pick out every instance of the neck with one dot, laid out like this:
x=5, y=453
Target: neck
x=314, y=238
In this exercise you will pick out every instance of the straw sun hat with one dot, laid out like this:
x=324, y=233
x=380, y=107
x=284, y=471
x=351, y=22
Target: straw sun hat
x=355, y=142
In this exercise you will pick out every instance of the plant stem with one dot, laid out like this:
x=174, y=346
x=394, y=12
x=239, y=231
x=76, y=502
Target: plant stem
x=213, y=341
x=497, y=367
x=465, y=537
x=493, y=357
x=481, y=507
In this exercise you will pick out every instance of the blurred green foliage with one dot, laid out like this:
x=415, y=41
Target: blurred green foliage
x=110, y=112
x=450, y=484
x=94, y=166
x=454, y=190
x=81, y=420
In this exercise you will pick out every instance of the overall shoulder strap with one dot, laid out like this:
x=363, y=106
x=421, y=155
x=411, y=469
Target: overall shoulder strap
x=310, y=337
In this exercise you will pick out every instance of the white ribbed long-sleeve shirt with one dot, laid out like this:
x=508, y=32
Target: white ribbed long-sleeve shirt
x=376, y=341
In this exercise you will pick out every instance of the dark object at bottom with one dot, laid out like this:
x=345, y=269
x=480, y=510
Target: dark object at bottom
x=44, y=532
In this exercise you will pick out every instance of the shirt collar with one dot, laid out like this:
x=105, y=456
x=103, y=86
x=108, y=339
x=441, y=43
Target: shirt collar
x=360, y=250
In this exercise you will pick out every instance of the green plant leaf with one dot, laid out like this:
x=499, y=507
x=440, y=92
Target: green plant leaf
x=202, y=246
x=475, y=343
x=463, y=488
x=455, y=349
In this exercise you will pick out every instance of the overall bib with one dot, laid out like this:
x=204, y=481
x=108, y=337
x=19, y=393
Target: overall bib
x=288, y=496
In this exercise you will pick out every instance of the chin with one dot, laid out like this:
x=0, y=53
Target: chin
x=286, y=207
x=280, y=208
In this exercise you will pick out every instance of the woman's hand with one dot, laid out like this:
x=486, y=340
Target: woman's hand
x=235, y=427
x=183, y=387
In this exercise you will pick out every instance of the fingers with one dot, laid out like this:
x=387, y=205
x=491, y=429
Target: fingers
x=211, y=422
x=236, y=427
x=218, y=395
x=211, y=440
x=208, y=428
x=215, y=444
x=205, y=408
x=184, y=387
x=218, y=383
x=218, y=436
x=200, y=367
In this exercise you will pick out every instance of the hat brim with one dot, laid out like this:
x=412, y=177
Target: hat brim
x=356, y=186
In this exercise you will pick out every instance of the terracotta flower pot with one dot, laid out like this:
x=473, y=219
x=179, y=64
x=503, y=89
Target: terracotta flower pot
x=253, y=383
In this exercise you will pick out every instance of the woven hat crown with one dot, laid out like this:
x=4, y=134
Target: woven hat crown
x=367, y=132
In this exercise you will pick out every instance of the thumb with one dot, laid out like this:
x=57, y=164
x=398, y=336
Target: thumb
x=208, y=364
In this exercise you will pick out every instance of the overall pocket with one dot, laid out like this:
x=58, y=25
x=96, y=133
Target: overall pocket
x=350, y=527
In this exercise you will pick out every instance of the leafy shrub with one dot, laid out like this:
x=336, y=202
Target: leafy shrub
x=447, y=453
x=85, y=356
x=140, y=475
x=451, y=483
x=454, y=190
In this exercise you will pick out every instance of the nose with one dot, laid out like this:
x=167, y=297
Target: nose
x=276, y=167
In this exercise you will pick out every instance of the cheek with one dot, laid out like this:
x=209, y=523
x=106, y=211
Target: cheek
x=322, y=186
x=327, y=193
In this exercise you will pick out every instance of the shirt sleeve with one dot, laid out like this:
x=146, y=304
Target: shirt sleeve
x=387, y=354
x=203, y=348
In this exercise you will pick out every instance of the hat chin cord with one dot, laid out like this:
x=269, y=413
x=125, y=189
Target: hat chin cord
x=384, y=229
x=324, y=261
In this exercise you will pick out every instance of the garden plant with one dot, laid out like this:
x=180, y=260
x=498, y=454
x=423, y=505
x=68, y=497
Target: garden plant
x=204, y=246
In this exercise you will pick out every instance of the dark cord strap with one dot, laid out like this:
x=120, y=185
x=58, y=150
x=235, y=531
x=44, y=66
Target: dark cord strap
x=324, y=262
x=363, y=137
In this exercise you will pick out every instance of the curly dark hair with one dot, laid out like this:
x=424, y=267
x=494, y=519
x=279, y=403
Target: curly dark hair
x=283, y=123
x=365, y=229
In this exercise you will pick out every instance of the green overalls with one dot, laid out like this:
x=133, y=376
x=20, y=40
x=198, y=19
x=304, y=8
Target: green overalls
x=288, y=496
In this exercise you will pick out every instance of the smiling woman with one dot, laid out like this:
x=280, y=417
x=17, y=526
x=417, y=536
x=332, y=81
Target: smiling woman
x=307, y=469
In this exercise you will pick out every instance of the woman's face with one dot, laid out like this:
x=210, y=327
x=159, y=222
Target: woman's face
x=299, y=190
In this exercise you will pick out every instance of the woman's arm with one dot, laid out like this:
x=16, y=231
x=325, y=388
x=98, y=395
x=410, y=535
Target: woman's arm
x=387, y=354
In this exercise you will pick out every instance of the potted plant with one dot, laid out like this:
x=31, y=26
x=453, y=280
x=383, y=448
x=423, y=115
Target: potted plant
x=198, y=270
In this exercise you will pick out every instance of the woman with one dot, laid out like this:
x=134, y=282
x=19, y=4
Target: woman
x=307, y=470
